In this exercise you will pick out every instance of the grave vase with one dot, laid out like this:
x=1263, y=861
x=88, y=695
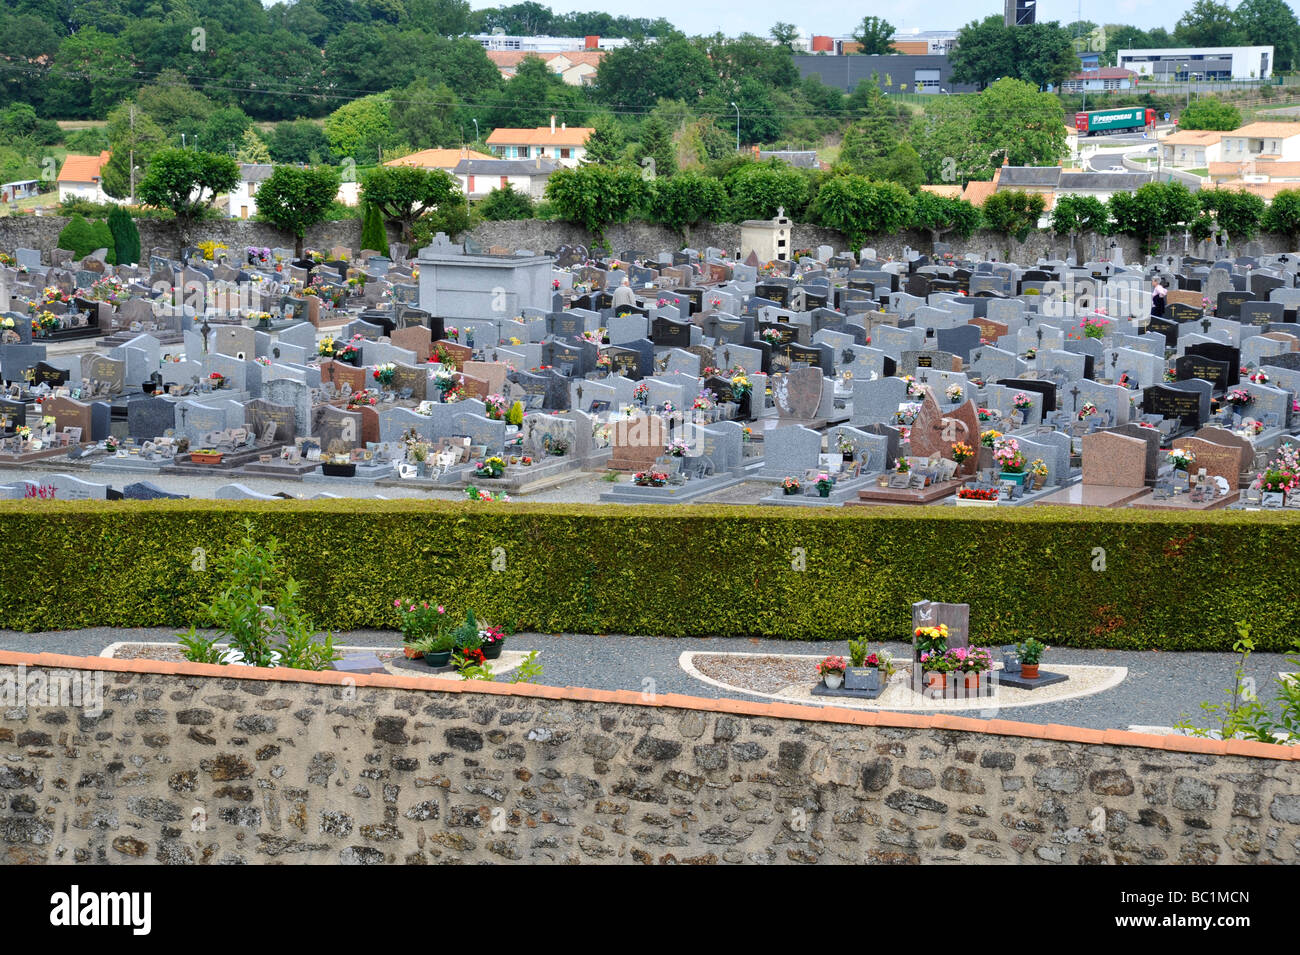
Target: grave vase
x=935, y=680
x=833, y=680
x=440, y=659
x=1029, y=671
x=1017, y=476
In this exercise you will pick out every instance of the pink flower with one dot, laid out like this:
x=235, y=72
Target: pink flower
x=397, y=603
x=440, y=610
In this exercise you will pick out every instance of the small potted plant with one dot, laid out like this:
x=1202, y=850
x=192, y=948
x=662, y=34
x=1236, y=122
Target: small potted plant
x=791, y=485
x=831, y=670
x=954, y=393
x=1007, y=454
x=437, y=648
x=864, y=670
x=970, y=662
x=1031, y=651
x=936, y=665
x=466, y=636
x=824, y=484
x=206, y=456
x=493, y=641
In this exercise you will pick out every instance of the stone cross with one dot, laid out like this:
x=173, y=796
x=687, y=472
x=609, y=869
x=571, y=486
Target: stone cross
x=1074, y=393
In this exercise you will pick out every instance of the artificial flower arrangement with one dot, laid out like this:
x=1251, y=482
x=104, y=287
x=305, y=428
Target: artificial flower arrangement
x=259, y=316
x=740, y=386
x=668, y=409
x=384, y=373
x=217, y=379
x=914, y=389
x=23, y=432
x=1237, y=397
x=351, y=352
x=953, y=392
x=326, y=347
x=650, y=478
x=1251, y=428
x=770, y=335
x=1259, y=378
x=1087, y=411
x=678, y=449
x=362, y=399
x=978, y=494
x=962, y=452
x=1038, y=468
x=989, y=438
x=492, y=467
x=1006, y=451
x=791, y=485
x=6, y=323
x=495, y=406
x=45, y=323
x=1021, y=401
x=258, y=255
x=1094, y=327
x=984, y=414
x=902, y=466
x=703, y=401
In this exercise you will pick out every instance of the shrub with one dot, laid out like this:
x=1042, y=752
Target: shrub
x=77, y=237
x=373, y=234
x=504, y=204
x=583, y=569
x=126, y=237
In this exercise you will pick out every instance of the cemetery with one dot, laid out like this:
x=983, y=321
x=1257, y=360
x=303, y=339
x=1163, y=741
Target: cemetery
x=944, y=470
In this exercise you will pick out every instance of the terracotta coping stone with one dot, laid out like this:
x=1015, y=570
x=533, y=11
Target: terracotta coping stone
x=812, y=714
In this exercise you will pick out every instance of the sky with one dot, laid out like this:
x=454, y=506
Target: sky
x=826, y=17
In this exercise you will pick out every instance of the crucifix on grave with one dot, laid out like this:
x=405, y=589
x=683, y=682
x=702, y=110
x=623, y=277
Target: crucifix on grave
x=1205, y=325
x=1074, y=393
x=578, y=391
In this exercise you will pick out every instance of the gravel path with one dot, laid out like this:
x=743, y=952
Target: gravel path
x=1160, y=688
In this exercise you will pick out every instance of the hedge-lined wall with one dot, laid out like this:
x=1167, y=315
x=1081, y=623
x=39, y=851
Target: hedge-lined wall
x=1176, y=582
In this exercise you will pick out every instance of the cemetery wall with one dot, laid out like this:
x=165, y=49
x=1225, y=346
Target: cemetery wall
x=1126, y=579
x=190, y=764
x=42, y=232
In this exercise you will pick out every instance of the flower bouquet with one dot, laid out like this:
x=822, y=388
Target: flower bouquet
x=1087, y=411
x=384, y=373
x=1182, y=460
x=1007, y=453
x=791, y=485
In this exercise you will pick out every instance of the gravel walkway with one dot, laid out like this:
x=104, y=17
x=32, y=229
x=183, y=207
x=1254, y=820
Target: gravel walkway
x=1160, y=688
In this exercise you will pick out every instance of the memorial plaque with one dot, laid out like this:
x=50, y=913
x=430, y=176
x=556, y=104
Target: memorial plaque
x=1184, y=406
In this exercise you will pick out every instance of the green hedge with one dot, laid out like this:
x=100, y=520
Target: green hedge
x=1171, y=582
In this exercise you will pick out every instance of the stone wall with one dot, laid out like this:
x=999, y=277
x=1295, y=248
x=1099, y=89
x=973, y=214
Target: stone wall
x=201, y=764
x=42, y=232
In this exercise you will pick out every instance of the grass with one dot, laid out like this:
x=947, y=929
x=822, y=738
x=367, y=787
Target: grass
x=1201, y=171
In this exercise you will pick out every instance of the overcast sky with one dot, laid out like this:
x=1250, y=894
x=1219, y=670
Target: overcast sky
x=838, y=18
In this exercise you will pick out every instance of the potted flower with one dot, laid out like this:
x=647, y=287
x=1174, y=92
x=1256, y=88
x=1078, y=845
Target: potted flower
x=493, y=640
x=362, y=399
x=936, y=665
x=989, y=438
x=970, y=662
x=824, y=484
x=1036, y=474
x=492, y=467
x=678, y=449
x=791, y=485
x=1022, y=402
x=977, y=497
x=954, y=393
x=1237, y=398
x=1009, y=457
x=1031, y=651
x=902, y=466
x=962, y=452
x=1260, y=377
x=864, y=670
x=466, y=637
x=217, y=380
x=206, y=456
x=496, y=407
x=831, y=670
x=418, y=621
x=384, y=373
x=1094, y=327
x=845, y=446
x=1181, y=459
x=650, y=478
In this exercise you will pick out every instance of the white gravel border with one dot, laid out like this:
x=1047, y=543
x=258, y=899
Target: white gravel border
x=1084, y=681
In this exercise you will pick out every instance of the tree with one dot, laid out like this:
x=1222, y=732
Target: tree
x=126, y=237
x=902, y=166
x=360, y=130
x=405, y=193
x=186, y=182
x=1039, y=53
x=784, y=34
x=860, y=208
x=686, y=199
x=373, y=234
x=1270, y=23
x=252, y=149
x=642, y=72
x=425, y=118
x=1075, y=215
x=1209, y=112
x=224, y=130
x=132, y=135
x=656, y=144
x=875, y=35
x=1013, y=213
x=940, y=215
x=535, y=94
x=874, y=136
x=293, y=200
x=300, y=141
x=175, y=105
x=1283, y=216
x=1012, y=119
x=1238, y=214
x=1152, y=211
x=1208, y=24
x=504, y=204
x=102, y=238
x=606, y=143
x=758, y=190
x=596, y=196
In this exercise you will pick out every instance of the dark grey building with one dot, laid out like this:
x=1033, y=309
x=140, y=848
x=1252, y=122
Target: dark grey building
x=919, y=73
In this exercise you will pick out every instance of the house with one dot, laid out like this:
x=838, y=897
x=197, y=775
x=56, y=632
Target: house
x=444, y=159
x=1099, y=185
x=1101, y=80
x=242, y=201
x=1276, y=141
x=946, y=190
x=1053, y=182
x=799, y=158
x=1193, y=148
x=575, y=67
x=566, y=146
x=478, y=177
x=20, y=189
x=82, y=178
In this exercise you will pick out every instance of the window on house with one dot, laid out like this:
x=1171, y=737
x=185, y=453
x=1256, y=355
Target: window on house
x=564, y=154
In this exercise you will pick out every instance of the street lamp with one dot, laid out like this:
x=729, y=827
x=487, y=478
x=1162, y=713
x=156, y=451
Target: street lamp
x=475, y=131
x=737, y=109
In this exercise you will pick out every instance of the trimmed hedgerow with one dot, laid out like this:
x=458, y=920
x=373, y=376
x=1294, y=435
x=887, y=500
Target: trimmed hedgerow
x=1170, y=582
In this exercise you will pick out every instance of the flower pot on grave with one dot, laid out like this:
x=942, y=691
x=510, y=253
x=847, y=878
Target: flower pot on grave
x=935, y=680
x=1016, y=476
x=971, y=681
x=206, y=457
x=833, y=680
x=1029, y=671
x=492, y=651
x=862, y=678
x=412, y=653
x=439, y=659
x=339, y=470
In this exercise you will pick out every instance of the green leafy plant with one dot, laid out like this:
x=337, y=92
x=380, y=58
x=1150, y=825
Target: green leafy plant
x=1243, y=716
x=1031, y=650
x=858, y=650
x=471, y=665
x=528, y=671
x=260, y=612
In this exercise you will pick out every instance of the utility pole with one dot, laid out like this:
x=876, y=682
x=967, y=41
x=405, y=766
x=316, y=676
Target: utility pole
x=131, y=111
x=737, y=108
